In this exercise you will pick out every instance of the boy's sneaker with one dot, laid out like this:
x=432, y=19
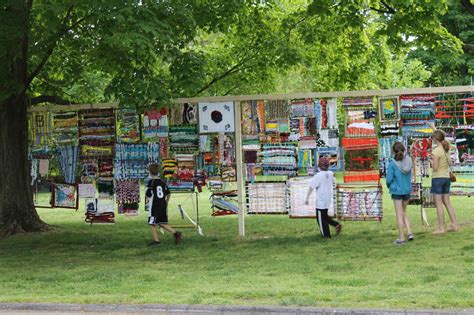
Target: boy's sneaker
x=177, y=237
x=410, y=237
x=399, y=242
x=154, y=243
x=338, y=229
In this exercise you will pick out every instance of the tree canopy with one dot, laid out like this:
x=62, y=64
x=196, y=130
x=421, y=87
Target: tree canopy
x=135, y=51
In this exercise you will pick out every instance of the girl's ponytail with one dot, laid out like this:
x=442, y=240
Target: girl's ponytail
x=446, y=146
x=440, y=136
x=398, y=151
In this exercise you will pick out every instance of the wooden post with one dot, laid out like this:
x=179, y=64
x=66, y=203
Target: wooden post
x=239, y=167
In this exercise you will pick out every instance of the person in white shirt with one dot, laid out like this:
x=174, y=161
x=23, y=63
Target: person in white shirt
x=323, y=183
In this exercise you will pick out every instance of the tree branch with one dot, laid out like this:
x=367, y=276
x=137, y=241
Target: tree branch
x=62, y=30
x=467, y=4
x=468, y=48
x=49, y=99
x=227, y=73
x=389, y=9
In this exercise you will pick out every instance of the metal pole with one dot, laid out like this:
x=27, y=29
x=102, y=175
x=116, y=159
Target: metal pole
x=239, y=167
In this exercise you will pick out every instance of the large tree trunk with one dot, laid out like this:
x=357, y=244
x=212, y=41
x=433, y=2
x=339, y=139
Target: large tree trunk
x=17, y=211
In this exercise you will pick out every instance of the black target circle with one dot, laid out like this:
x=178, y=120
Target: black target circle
x=216, y=116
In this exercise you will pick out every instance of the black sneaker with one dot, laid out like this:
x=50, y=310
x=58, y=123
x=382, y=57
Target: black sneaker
x=338, y=229
x=177, y=237
x=154, y=243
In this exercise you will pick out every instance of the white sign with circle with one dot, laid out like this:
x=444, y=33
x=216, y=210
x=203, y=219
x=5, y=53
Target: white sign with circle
x=216, y=117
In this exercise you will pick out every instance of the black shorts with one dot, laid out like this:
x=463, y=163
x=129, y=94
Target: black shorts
x=401, y=197
x=158, y=217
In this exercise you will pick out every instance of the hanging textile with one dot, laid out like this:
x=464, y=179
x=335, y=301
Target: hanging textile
x=127, y=191
x=96, y=141
x=416, y=113
x=155, y=124
x=128, y=126
x=297, y=193
x=67, y=158
x=184, y=138
x=331, y=110
x=65, y=128
x=279, y=159
x=359, y=202
x=132, y=160
x=266, y=198
x=41, y=129
x=65, y=196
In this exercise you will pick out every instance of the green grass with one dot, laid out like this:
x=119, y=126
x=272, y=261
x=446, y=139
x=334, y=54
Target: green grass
x=280, y=262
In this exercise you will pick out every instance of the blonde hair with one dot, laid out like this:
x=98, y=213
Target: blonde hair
x=440, y=136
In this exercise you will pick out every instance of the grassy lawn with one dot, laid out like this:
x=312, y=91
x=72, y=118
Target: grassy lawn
x=280, y=262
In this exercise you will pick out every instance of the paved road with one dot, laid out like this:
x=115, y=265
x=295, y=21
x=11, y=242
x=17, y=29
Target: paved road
x=128, y=309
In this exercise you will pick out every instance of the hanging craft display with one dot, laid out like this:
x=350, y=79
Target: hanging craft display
x=155, y=124
x=96, y=141
x=276, y=109
x=388, y=108
x=454, y=109
x=43, y=194
x=360, y=144
x=417, y=112
x=127, y=192
x=185, y=165
x=65, y=128
x=183, y=114
x=86, y=191
x=41, y=129
x=216, y=117
x=100, y=211
x=331, y=110
x=183, y=138
x=266, y=198
x=279, y=159
x=132, y=160
x=224, y=203
x=359, y=202
x=67, y=157
x=169, y=168
x=464, y=185
x=128, y=126
x=65, y=196
x=249, y=118
x=297, y=193
x=305, y=162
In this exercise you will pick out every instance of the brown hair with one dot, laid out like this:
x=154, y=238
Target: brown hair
x=154, y=169
x=398, y=151
x=440, y=136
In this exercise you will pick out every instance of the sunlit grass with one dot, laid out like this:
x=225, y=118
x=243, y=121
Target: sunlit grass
x=280, y=262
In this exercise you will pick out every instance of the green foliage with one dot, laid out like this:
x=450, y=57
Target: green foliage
x=137, y=51
x=448, y=68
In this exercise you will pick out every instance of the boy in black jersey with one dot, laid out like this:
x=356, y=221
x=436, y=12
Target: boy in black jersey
x=159, y=194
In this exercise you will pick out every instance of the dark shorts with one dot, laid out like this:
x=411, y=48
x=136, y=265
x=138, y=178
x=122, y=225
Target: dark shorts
x=158, y=217
x=440, y=186
x=401, y=197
